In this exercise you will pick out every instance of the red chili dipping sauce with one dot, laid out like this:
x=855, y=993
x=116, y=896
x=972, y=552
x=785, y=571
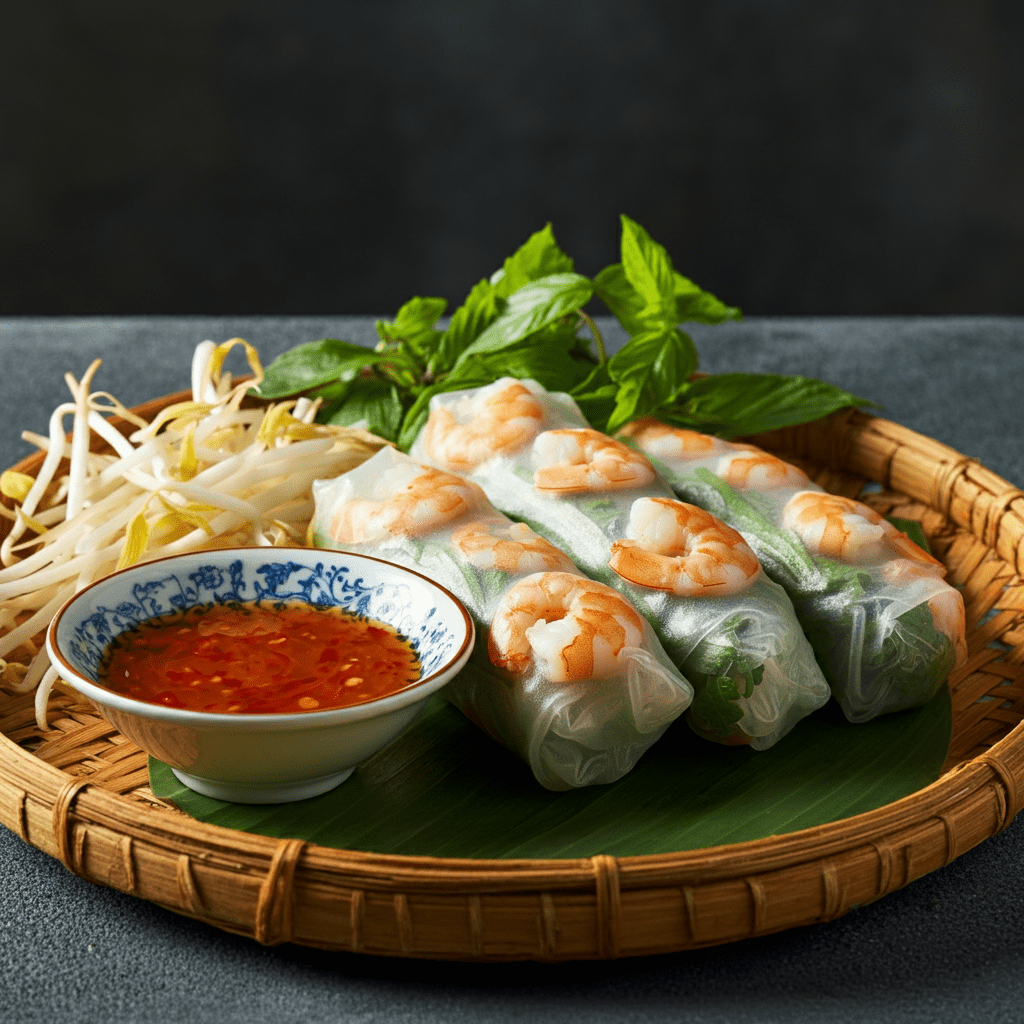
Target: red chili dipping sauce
x=259, y=660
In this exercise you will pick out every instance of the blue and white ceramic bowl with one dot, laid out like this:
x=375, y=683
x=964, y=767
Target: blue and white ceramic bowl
x=262, y=758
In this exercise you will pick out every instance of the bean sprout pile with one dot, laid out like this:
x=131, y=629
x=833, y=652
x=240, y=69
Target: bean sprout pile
x=205, y=473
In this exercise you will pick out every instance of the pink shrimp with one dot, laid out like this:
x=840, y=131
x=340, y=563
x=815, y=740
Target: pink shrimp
x=838, y=527
x=683, y=549
x=950, y=618
x=947, y=607
x=580, y=459
x=499, y=419
x=508, y=547
x=661, y=441
x=408, y=501
x=573, y=627
x=749, y=468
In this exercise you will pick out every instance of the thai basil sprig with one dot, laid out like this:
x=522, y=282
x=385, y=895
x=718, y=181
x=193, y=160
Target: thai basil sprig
x=530, y=319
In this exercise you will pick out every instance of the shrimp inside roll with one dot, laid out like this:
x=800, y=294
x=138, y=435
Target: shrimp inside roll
x=499, y=419
x=678, y=547
x=574, y=627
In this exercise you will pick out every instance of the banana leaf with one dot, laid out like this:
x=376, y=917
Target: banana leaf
x=444, y=789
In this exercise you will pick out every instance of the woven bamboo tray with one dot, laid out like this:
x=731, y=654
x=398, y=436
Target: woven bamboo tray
x=79, y=791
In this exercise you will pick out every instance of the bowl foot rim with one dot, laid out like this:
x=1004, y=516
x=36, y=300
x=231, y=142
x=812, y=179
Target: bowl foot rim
x=262, y=793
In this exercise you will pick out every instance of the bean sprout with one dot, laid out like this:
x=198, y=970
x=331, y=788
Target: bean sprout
x=203, y=473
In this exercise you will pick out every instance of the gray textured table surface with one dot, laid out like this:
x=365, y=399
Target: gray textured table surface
x=948, y=947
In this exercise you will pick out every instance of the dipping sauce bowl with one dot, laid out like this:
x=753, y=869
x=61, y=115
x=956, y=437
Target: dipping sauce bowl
x=262, y=758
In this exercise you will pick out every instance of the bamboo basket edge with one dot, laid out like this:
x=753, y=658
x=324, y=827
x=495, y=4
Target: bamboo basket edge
x=284, y=890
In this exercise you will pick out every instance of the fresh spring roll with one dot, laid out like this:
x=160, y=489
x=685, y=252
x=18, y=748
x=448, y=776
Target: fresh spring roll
x=885, y=626
x=565, y=673
x=729, y=628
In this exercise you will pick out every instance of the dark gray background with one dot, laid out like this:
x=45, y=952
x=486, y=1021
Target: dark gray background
x=946, y=949
x=795, y=156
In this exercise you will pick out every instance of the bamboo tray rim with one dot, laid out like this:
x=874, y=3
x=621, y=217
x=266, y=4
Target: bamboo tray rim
x=990, y=782
x=706, y=862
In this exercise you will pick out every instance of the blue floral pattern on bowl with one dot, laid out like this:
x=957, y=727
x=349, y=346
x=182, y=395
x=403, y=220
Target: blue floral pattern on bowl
x=319, y=585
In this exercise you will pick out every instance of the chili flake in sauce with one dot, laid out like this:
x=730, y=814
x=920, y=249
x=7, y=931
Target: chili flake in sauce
x=253, y=659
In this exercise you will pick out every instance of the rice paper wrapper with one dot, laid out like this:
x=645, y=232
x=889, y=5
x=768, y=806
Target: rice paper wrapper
x=886, y=629
x=747, y=658
x=753, y=671
x=572, y=734
x=575, y=734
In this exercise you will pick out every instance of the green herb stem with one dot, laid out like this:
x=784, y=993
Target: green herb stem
x=602, y=352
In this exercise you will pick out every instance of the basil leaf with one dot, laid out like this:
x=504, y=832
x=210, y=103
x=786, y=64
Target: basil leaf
x=532, y=307
x=371, y=401
x=598, y=405
x=468, y=322
x=549, y=365
x=560, y=340
x=595, y=395
x=316, y=363
x=333, y=392
x=694, y=305
x=539, y=256
x=650, y=371
x=627, y=305
x=645, y=287
x=648, y=269
x=597, y=379
x=714, y=708
x=737, y=404
x=414, y=324
x=912, y=528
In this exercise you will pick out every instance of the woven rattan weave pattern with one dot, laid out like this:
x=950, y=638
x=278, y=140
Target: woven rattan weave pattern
x=79, y=791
